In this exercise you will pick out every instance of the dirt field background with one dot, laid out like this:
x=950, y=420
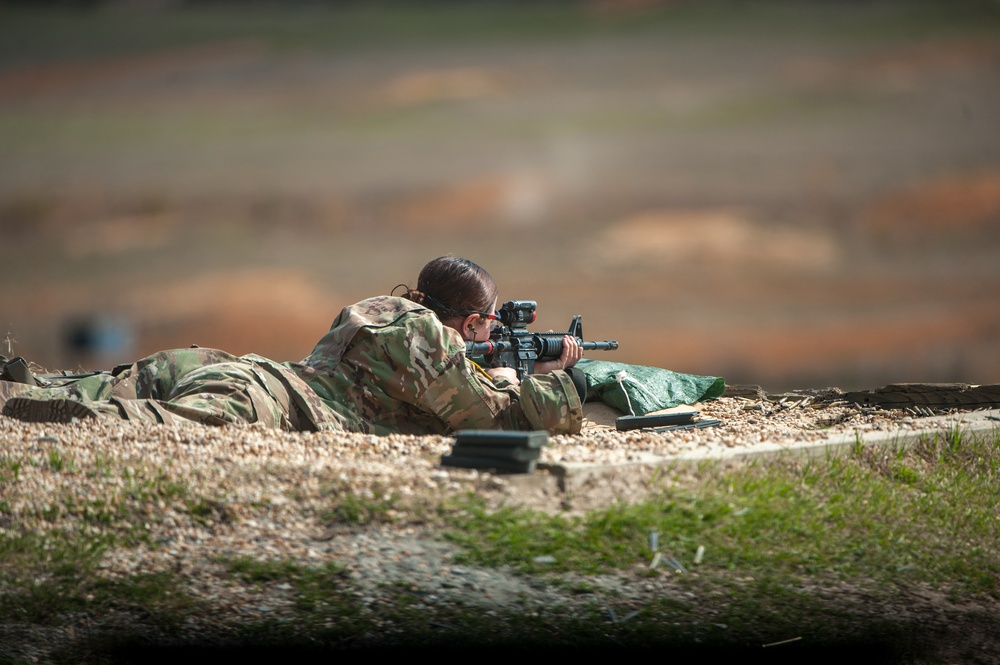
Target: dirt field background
x=795, y=194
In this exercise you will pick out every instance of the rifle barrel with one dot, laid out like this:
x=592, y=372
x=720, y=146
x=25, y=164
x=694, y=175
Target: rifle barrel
x=609, y=345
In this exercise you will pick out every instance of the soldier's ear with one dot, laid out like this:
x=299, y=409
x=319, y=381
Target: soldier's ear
x=468, y=323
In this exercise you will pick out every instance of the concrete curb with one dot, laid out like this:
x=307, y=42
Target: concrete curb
x=971, y=423
x=570, y=478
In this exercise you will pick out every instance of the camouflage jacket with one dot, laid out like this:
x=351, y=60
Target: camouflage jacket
x=389, y=365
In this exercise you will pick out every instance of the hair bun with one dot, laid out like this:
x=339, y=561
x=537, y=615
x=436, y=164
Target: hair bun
x=408, y=293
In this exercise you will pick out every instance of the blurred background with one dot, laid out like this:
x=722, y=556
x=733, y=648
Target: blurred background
x=796, y=193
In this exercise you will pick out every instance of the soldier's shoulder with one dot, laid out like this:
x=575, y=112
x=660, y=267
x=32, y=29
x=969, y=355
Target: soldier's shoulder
x=381, y=310
x=425, y=329
x=392, y=319
x=397, y=318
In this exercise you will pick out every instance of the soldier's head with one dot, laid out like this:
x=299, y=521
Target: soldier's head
x=461, y=293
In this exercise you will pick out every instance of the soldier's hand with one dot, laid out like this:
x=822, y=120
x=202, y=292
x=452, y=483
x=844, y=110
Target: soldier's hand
x=571, y=353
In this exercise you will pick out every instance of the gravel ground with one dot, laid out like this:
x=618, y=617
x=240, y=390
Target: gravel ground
x=267, y=495
x=796, y=421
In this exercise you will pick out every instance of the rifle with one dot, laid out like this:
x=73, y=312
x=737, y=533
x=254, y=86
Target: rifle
x=511, y=344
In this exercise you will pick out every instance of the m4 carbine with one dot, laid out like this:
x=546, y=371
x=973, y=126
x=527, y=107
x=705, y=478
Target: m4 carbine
x=511, y=344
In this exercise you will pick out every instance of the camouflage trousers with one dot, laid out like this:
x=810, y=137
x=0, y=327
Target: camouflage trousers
x=180, y=386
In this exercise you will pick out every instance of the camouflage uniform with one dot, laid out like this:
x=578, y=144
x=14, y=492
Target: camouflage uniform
x=389, y=365
x=180, y=386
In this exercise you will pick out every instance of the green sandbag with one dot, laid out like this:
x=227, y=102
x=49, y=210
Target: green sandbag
x=649, y=388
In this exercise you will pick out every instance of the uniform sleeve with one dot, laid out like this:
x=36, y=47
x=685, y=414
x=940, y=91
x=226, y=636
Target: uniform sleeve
x=465, y=397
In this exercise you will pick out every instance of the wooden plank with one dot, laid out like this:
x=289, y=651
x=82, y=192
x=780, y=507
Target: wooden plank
x=930, y=395
x=749, y=390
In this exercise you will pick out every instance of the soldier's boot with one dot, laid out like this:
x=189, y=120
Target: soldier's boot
x=59, y=410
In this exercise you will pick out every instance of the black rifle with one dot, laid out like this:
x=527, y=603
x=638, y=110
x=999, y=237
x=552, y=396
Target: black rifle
x=511, y=344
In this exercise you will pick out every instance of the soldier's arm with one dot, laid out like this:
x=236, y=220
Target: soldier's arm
x=465, y=397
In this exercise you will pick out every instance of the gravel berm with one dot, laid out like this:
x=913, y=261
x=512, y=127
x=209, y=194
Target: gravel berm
x=266, y=495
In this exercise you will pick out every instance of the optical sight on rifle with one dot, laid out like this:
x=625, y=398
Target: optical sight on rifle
x=511, y=344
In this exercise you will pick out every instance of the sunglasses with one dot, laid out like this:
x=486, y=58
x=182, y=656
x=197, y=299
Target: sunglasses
x=448, y=311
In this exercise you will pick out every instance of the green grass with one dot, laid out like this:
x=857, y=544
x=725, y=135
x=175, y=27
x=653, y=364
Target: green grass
x=50, y=572
x=117, y=510
x=326, y=608
x=46, y=576
x=347, y=507
x=925, y=515
x=785, y=542
x=10, y=469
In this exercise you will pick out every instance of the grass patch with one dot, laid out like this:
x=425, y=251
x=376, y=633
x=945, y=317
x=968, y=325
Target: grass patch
x=61, y=462
x=928, y=514
x=51, y=545
x=326, y=609
x=810, y=550
x=46, y=577
x=374, y=506
x=10, y=469
x=119, y=510
x=601, y=541
x=257, y=571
